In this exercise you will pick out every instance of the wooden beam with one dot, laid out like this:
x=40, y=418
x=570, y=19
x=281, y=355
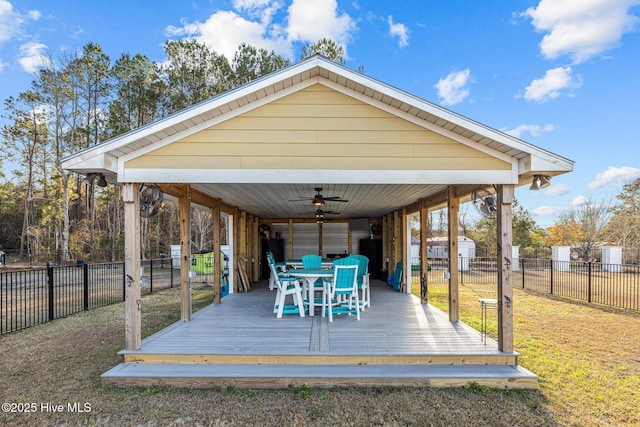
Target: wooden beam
x=197, y=196
x=255, y=250
x=397, y=238
x=242, y=250
x=406, y=255
x=184, y=209
x=504, y=227
x=290, y=238
x=217, y=261
x=133, y=318
x=424, y=260
x=453, y=208
x=385, y=243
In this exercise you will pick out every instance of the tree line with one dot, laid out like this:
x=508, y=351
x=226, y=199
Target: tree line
x=83, y=98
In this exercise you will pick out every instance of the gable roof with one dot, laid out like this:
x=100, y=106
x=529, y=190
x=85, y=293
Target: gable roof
x=111, y=156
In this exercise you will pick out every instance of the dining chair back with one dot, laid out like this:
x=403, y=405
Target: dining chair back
x=363, y=279
x=342, y=291
x=285, y=286
x=312, y=261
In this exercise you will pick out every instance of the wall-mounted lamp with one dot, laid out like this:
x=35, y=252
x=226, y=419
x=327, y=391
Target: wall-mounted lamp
x=102, y=182
x=540, y=181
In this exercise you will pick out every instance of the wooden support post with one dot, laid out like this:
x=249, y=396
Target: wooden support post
x=424, y=255
x=504, y=227
x=405, y=243
x=218, y=266
x=236, y=251
x=397, y=239
x=453, y=207
x=290, y=239
x=385, y=244
x=255, y=250
x=133, y=318
x=184, y=209
x=320, y=239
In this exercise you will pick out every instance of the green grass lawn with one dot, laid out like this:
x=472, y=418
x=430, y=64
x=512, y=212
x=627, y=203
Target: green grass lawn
x=587, y=356
x=587, y=359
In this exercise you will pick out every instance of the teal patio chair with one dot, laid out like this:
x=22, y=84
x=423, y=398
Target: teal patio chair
x=285, y=286
x=280, y=268
x=397, y=277
x=313, y=262
x=363, y=280
x=341, y=292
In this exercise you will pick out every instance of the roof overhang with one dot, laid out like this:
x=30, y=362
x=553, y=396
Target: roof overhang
x=109, y=157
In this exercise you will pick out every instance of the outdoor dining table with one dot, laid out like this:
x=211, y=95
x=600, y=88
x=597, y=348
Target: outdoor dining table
x=297, y=263
x=310, y=276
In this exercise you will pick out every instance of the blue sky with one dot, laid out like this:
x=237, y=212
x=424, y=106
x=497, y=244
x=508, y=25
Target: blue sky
x=559, y=74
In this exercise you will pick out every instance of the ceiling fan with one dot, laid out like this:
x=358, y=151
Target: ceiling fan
x=319, y=213
x=319, y=200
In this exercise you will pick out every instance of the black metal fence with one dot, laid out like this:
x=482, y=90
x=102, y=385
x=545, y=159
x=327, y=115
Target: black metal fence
x=31, y=297
x=615, y=285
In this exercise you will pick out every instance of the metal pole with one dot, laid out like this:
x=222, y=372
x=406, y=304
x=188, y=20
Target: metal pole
x=85, y=282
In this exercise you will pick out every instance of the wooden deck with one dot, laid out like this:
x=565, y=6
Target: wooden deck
x=397, y=341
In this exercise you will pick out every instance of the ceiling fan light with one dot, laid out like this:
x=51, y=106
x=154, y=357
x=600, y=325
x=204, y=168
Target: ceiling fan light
x=318, y=202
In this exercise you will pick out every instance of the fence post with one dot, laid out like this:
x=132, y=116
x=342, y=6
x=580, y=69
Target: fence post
x=522, y=267
x=589, y=282
x=171, y=268
x=151, y=276
x=51, y=296
x=85, y=285
x=551, y=281
x=124, y=282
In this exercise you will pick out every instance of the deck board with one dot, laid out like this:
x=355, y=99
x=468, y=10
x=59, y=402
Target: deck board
x=244, y=324
x=397, y=341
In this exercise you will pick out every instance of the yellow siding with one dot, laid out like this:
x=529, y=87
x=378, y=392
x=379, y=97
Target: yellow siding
x=318, y=128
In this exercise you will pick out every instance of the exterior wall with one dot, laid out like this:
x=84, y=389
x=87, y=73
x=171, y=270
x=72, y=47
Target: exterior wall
x=318, y=128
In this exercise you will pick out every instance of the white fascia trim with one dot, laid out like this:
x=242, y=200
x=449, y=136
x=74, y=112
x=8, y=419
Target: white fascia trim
x=97, y=162
x=304, y=176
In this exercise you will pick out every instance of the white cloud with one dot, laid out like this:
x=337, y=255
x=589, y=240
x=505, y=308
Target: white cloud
x=551, y=86
x=312, y=20
x=224, y=31
x=556, y=190
x=580, y=201
x=533, y=130
x=2, y=65
x=614, y=176
x=11, y=20
x=31, y=56
x=253, y=23
x=581, y=29
x=453, y=88
x=400, y=31
x=262, y=9
x=548, y=211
